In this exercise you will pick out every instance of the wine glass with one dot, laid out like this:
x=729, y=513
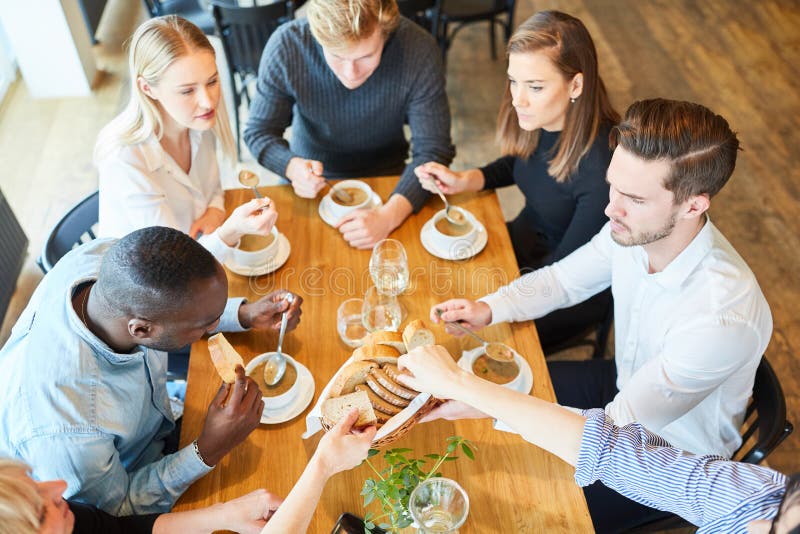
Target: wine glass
x=349, y=323
x=439, y=505
x=380, y=311
x=388, y=267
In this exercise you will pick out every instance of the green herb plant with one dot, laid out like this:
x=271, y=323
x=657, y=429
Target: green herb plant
x=393, y=486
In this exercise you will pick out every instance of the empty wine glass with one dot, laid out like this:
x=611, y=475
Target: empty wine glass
x=380, y=311
x=388, y=267
x=439, y=505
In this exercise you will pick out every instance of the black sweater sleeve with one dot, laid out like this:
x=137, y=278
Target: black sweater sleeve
x=499, y=173
x=90, y=520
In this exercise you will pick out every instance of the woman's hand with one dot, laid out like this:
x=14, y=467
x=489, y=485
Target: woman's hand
x=432, y=370
x=306, y=176
x=449, y=182
x=207, y=223
x=257, y=216
x=474, y=315
x=343, y=447
x=249, y=513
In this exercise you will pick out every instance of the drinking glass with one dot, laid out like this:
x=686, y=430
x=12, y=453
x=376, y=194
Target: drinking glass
x=388, y=267
x=380, y=311
x=439, y=505
x=349, y=324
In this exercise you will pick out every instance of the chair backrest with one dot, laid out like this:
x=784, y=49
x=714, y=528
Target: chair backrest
x=765, y=419
x=153, y=7
x=245, y=31
x=75, y=228
x=426, y=13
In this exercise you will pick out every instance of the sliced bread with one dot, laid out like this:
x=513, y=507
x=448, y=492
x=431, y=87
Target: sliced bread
x=380, y=354
x=352, y=374
x=335, y=408
x=225, y=357
x=385, y=337
x=416, y=334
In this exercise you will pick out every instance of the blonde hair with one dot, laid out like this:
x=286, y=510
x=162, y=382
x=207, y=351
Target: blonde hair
x=338, y=23
x=566, y=41
x=155, y=45
x=20, y=503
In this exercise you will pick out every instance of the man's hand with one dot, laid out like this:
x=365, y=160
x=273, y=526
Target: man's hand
x=453, y=411
x=207, y=223
x=265, y=313
x=432, y=370
x=471, y=314
x=257, y=216
x=306, y=176
x=228, y=424
x=364, y=227
x=249, y=513
x=343, y=447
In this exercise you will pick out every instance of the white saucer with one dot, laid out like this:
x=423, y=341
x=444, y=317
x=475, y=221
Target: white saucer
x=457, y=253
x=305, y=385
x=523, y=385
x=282, y=254
x=374, y=202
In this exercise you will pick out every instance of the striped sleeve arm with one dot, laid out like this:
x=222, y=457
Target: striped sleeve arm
x=705, y=490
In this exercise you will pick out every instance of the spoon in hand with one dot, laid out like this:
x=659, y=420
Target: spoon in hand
x=249, y=179
x=275, y=366
x=494, y=349
x=455, y=217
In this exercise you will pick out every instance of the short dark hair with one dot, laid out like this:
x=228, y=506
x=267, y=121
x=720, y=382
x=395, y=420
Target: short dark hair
x=698, y=144
x=150, y=271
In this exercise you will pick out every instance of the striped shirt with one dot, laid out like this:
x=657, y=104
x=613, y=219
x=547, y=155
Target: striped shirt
x=715, y=494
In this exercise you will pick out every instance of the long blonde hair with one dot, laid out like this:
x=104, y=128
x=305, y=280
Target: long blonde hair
x=20, y=503
x=566, y=41
x=155, y=45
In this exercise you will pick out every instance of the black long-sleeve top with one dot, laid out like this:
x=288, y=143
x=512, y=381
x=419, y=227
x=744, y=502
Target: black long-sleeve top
x=558, y=217
x=90, y=520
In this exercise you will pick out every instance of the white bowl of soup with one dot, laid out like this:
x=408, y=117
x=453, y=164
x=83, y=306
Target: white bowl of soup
x=504, y=373
x=281, y=394
x=360, y=195
x=450, y=237
x=256, y=250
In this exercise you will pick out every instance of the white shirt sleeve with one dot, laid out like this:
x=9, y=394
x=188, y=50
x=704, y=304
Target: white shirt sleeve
x=584, y=273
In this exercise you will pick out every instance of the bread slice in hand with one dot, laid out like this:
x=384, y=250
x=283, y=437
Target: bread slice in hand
x=388, y=338
x=335, y=408
x=416, y=334
x=380, y=354
x=352, y=374
x=225, y=357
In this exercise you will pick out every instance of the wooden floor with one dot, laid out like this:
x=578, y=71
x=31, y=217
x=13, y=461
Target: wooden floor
x=741, y=59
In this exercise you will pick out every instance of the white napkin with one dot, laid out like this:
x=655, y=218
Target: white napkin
x=314, y=417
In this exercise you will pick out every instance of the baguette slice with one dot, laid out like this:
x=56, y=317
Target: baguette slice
x=225, y=357
x=351, y=375
x=379, y=354
x=336, y=408
x=416, y=334
x=385, y=337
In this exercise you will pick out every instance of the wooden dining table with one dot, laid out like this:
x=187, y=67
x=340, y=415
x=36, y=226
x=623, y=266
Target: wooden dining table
x=513, y=486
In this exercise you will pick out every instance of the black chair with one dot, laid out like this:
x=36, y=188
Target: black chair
x=765, y=422
x=459, y=13
x=244, y=32
x=75, y=228
x=426, y=13
x=191, y=10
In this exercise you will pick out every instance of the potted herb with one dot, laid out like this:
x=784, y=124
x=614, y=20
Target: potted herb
x=393, y=485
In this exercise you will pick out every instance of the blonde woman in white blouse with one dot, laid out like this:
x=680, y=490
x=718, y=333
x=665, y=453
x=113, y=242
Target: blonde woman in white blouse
x=157, y=160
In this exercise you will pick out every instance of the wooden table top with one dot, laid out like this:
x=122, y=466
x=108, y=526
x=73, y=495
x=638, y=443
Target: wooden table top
x=512, y=485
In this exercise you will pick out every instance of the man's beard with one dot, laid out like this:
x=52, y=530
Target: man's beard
x=647, y=237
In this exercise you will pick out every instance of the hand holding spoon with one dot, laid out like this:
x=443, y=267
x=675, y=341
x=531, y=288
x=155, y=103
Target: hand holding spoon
x=275, y=365
x=455, y=217
x=494, y=349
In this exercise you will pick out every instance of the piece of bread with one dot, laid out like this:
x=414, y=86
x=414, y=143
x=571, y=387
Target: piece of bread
x=378, y=403
x=383, y=379
x=385, y=394
x=385, y=337
x=379, y=354
x=335, y=408
x=225, y=357
x=393, y=372
x=352, y=374
x=416, y=334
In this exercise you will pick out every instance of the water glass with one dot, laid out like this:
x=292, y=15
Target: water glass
x=349, y=324
x=388, y=267
x=439, y=505
x=380, y=311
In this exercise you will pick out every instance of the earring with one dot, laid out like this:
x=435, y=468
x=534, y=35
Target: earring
x=571, y=100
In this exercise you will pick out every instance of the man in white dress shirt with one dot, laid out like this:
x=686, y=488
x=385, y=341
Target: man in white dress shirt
x=691, y=322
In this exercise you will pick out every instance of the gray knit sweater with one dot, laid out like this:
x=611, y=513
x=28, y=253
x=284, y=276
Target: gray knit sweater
x=352, y=132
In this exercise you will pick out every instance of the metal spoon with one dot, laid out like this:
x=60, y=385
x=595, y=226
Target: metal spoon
x=249, y=179
x=494, y=349
x=456, y=217
x=341, y=194
x=275, y=366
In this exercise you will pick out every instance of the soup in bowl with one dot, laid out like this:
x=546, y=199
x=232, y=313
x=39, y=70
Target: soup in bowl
x=450, y=237
x=359, y=193
x=256, y=250
x=282, y=393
